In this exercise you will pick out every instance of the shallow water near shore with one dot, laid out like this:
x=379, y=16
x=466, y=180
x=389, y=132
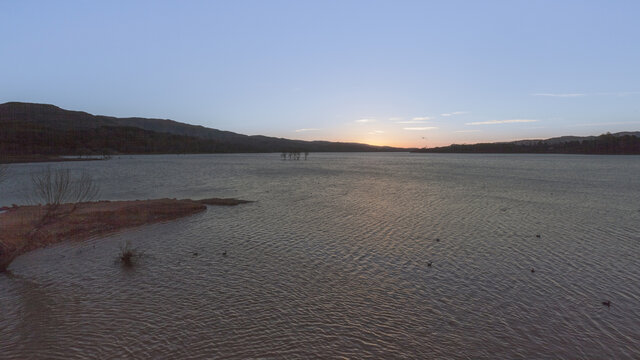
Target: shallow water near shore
x=332, y=260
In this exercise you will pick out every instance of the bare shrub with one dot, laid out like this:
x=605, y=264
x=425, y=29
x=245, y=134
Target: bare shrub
x=55, y=187
x=51, y=187
x=84, y=189
x=128, y=254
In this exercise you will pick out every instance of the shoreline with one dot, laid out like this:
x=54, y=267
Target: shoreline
x=29, y=227
x=26, y=159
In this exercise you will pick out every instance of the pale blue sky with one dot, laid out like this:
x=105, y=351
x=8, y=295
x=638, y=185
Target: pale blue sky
x=382, y=72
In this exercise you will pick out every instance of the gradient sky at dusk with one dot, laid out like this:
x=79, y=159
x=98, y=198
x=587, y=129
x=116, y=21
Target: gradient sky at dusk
x=403, y=73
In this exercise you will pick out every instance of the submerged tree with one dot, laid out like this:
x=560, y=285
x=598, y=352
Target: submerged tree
x=293, y=155
x=128, y=254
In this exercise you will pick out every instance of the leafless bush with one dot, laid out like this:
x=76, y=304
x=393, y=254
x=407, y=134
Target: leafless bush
x=84, y=189
x=51, y=187
x=55, y=187
x=128, y=254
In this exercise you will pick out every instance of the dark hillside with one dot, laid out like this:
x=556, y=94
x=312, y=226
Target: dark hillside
x=625, y=143
x=28, y=128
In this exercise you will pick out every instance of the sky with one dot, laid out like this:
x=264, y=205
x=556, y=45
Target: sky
x=399, y=73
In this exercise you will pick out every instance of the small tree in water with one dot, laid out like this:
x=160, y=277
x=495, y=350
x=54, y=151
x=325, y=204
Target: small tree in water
x=128, y=254
x=293, y=155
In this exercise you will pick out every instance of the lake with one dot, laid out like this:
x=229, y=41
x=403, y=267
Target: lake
x=389, y=255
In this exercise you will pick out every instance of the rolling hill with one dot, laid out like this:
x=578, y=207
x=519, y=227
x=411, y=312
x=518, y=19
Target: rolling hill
x=622, y=143
x=29, y=128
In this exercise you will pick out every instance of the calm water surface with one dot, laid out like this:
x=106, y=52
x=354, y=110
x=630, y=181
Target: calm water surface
x=332, y=261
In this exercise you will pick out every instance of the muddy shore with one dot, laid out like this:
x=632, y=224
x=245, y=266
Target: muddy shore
x=25, y=228
x=24, y=159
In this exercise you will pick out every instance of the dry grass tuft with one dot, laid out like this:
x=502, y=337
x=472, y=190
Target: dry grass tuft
x=129, y=255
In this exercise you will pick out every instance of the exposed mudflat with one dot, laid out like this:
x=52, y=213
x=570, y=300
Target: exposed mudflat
x=26, y=228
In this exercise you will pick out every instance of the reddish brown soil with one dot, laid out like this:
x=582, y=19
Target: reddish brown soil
x=24, y=228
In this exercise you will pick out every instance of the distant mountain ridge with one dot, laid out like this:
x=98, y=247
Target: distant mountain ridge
x=564, y=139
x=38, y=125
x=621, y=143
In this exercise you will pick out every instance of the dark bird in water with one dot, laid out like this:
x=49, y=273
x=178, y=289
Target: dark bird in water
x=606, y=303
x=538, y=236
x=437, y=240
x=195, y=254
x=224, y=253
x=429, y=264
x=533, y=270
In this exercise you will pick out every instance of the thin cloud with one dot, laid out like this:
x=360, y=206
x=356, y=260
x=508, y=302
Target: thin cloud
x=395, y=119
x=572, y=95
x=309, y=129
x=365, y=121
x=496, y=122
x=420, y=128
x=415, y=121
x=609, y=123
x=619, y=93
x=376, y=132
x=563, y=95
x=468, y=131
x=455, y=113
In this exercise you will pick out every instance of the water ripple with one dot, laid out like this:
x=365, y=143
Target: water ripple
x=346, y=256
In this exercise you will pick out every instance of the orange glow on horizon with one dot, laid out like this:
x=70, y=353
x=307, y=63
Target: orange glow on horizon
x=386, y=137
x=399, y=143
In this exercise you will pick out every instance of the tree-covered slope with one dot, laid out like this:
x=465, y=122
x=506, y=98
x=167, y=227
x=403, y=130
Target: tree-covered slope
x=624, y=143
x=28, y=128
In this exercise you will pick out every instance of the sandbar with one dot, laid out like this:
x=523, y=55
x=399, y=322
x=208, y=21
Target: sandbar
x=25, y=228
